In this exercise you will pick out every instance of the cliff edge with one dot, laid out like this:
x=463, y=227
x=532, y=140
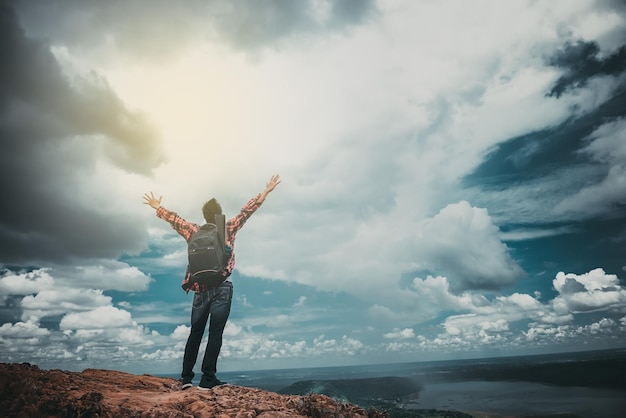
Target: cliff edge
x=28, y=391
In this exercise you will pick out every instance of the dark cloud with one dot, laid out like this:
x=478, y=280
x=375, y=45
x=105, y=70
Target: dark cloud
x=537, y=154
x=581, y=62
x=249, y=25
x=161, y=28
x=52, y=131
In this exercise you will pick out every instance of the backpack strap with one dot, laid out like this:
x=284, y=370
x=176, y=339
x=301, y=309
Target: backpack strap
x=220, y=222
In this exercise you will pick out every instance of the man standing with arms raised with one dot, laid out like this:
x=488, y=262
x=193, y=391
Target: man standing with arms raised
x=208, y=302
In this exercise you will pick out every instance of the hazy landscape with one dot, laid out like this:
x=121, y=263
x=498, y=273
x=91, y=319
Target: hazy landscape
x=586, y=384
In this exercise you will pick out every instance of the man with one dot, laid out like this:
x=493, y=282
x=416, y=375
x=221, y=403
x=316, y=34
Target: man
x=213, y=302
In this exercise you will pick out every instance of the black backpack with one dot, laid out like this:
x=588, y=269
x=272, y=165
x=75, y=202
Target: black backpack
x=207, y=253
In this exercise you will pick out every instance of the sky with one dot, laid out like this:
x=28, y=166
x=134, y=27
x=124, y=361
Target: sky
x=453, y=178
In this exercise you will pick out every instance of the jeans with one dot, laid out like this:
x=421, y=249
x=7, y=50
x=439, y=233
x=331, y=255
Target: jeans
x=216, y=304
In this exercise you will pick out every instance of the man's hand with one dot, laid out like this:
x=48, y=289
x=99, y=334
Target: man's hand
x=271, y=185
x=152, y=201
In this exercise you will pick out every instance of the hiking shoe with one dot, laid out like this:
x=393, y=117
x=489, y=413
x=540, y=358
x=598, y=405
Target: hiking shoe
x=208, y=385
x=185, y=384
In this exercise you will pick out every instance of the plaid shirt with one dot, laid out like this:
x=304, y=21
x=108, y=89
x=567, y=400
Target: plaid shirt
x=187, y=229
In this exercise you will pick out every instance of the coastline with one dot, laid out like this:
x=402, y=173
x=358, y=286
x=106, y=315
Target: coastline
x=582, y=384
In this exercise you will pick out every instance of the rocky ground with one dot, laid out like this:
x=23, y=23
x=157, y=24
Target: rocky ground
x=28, y=391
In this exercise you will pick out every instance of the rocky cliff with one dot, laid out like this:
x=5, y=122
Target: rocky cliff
x=28, y=391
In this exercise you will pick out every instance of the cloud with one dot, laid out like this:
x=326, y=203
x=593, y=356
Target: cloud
x=300, y=303
x=517, y=319
x=400, y=334
x=101, y=317
x=104, y=274
x=23, y=330
x=167, y=29
x=605, y=197
x=101, y=274
x=580, y=60
x=52, y=302
x=181, y=332
x=25, y=283
x=55, y=134
x=592, y=291
x=513, y=321
x=65, y=322
x=544, y=334
x=462, y=243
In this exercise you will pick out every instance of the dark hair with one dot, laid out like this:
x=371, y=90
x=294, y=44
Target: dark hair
x=210, y=209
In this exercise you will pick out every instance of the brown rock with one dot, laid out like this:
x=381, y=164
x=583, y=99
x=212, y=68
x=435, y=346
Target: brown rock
x=28, y=391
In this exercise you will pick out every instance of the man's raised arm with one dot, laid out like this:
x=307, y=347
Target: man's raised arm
x=269, y=186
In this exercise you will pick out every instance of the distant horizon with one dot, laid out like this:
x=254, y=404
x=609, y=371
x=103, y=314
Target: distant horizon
x=382, y=364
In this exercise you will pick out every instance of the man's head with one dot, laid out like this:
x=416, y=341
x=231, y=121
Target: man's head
x=210, y=209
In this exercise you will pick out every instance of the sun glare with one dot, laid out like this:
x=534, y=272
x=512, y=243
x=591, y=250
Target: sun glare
x=192, y=102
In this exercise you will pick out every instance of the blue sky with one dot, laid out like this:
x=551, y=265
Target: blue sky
x=453, y=178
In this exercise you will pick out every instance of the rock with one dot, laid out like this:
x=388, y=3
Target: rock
x=28, y=391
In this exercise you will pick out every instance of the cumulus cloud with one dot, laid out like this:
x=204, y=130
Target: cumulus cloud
x=25, y=283
x=400, y=334
x=64, y=319
x=182, y=332
x=101, y=317
x=101, y=274
x=52, y=302
x=462, y=242
x=519, y=318
x=23, y=330
x=104, y=274
x=591, y=291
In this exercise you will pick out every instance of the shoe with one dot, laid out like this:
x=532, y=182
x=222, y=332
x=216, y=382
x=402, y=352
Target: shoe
x=185, y=384
x=208, y=385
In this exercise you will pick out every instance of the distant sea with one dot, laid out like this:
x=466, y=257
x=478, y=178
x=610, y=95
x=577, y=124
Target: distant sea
x=590, y=384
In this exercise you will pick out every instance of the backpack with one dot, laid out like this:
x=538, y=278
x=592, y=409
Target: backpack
x=208, y=254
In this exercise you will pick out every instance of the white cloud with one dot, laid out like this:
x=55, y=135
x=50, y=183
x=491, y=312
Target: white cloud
x=300, y=302
x=22, y=330
x=526, y=234
x=546, y=334
x=595, y=290
x=25, y=283
x=101, y=317
x=400, y=334
x=463, y=243
x=90, y=327
x=60, y=300
x=182, y=332
x=106, y=275
x=102, y=274
x=232, y=330
x=280, y=321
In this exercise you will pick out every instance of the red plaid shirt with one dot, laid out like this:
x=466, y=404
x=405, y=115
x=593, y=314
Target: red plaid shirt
x=187, y=229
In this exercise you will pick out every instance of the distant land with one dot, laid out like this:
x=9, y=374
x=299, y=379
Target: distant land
x=589, y=384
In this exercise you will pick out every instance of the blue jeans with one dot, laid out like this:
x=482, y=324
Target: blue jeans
x=216, y=304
